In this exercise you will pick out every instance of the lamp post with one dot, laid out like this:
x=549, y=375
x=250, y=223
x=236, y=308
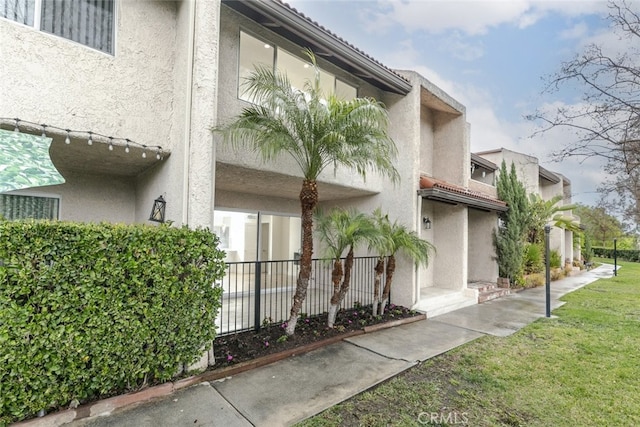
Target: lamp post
x=615, y=257
x=547, y=287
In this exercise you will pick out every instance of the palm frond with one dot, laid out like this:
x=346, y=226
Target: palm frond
x=316, y=130
x=340, y=229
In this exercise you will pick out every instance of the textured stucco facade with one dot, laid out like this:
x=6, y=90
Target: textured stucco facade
x=157, y=89
x=537, y=181
x=174, y=78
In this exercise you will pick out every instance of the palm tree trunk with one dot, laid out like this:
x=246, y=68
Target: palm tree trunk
x=336, y=275
x=391, y=268
x=308, y=202
x=379, y=269
x=337, y=297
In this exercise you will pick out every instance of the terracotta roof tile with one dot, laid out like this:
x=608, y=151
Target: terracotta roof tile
x=428, y=182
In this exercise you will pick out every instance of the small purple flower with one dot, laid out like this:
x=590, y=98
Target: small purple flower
x=306, y=320
x=229, y=358
x=266, y=343
x=350, y=321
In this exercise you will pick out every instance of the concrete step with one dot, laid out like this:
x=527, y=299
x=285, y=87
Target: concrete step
x=488, y=291
x=482, y=286
x=492, y=294
x=436, y=301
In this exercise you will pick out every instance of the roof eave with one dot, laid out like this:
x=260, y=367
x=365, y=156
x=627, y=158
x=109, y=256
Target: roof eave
x=371, y=70
x=450, y=197
x=548, y=175
x=480, y=161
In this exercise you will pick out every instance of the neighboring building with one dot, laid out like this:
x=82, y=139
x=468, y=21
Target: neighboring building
x=546, y=184
x=158, y=88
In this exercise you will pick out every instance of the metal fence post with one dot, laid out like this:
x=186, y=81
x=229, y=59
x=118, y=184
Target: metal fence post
x=258, y=302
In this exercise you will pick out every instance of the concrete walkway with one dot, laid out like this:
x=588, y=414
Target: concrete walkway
x=296, y=388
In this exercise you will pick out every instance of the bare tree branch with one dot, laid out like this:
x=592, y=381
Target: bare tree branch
x=606, y=121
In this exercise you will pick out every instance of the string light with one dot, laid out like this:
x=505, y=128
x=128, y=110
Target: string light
x=44, y=129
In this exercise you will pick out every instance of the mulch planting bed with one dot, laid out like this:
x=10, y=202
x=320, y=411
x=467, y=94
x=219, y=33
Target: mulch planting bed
x=245, y=346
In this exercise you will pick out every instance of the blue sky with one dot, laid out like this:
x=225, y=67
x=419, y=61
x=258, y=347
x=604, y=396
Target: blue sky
x=492, y=56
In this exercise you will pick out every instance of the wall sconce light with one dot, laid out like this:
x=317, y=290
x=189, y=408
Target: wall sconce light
x=427, y=222
x=157, y=212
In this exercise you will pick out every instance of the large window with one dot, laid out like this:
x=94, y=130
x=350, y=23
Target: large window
x=14, y=206
x=254, y=52
x=89, y=22
x=255, y=236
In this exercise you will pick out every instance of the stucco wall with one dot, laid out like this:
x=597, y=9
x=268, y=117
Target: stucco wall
x=138, y=93
x=426, y=142
x=481, y=254
x=527, y=167
x=450, y=230
x=549, y=190
x=92, y=198
x=488, y=189
x=52, y=80
x=230, y=106
x=251, y=202
x=452, y=159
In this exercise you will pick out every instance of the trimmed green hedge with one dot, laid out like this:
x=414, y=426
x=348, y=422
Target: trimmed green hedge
x=623, y=254
x=91, y=310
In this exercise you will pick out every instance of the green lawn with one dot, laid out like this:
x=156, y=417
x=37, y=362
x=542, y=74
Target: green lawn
x=581, y=368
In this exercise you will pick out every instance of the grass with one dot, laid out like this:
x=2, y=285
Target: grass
x=580, y=368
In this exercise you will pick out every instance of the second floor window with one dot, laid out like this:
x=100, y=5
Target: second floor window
x=254, y=52
x=89, y=22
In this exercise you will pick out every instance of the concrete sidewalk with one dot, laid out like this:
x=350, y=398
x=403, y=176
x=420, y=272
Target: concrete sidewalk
x=296, y=388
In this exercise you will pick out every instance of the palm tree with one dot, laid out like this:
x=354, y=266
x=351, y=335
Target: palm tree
x=340, y=230
x=399, y=239
x=541, y=212
x=316, y=131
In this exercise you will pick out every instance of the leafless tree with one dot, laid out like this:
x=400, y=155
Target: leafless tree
x=607, y=120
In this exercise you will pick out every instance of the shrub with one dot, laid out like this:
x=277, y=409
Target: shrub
x=555, y=260
x=587, y=253
x=632, y=255
x=533, y=258
x=534, y=280
x=557, y=274
x=90, y=310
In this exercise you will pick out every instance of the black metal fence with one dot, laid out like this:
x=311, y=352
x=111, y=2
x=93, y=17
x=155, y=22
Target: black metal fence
x=257, y=293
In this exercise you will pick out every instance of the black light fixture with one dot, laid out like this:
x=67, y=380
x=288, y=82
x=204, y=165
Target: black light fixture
x=427, y=222
x=157, y=212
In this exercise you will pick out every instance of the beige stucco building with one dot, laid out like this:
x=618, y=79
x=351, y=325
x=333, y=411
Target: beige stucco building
x=547, y=184
x=148, y=90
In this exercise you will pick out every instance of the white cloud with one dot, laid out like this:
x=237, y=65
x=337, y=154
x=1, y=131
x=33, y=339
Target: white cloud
x=577, y=32
x=472, y=17
x=460, y=48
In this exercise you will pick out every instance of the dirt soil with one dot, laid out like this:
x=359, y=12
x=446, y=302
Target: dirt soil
x=244, y=346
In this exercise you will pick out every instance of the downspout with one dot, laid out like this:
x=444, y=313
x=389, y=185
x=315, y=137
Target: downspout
x=416, y=284
x=187, y=112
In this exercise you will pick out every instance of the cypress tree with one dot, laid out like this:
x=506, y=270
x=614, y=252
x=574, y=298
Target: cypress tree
x=509, y=239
